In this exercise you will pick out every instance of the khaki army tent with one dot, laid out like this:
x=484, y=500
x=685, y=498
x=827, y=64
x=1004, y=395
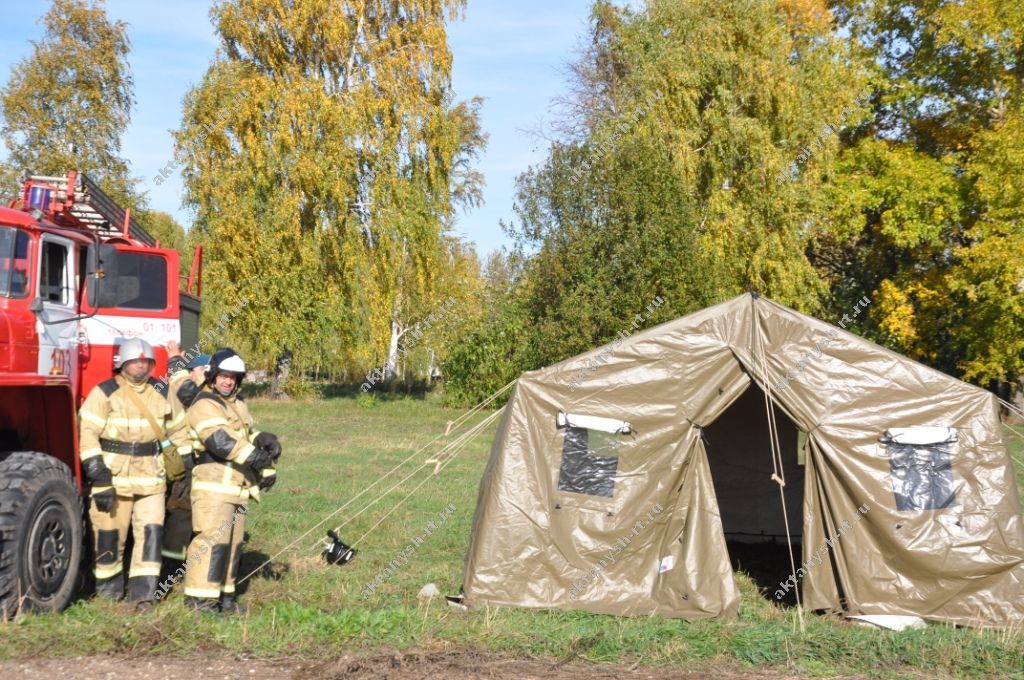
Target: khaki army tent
x=617, y=476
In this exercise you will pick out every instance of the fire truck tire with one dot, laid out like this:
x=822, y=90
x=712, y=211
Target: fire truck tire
x=40, y=533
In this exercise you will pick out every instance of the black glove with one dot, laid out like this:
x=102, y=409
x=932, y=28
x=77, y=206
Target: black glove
x=259, y=460
x=187, y=393
x=268, y=442
x=268, y=482
x=104, y=500
x=97, y=472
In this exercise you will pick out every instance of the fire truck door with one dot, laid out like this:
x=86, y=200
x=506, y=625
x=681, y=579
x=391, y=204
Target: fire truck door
x=58, y=295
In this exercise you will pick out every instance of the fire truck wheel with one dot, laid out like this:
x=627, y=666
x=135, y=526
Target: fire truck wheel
x=40, y=533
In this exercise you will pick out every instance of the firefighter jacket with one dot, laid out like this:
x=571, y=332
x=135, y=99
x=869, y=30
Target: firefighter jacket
x=178, y=430
x=224, y=430
x=111, y=425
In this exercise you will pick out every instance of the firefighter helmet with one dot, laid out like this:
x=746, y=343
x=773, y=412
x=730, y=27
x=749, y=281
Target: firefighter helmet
x=133, y=348
x=226, y=360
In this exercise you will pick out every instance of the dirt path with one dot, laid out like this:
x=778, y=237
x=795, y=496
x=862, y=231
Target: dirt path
x=455, y=665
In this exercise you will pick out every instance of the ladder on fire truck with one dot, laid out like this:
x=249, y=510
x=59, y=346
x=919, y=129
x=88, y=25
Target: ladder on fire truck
x=77, y=201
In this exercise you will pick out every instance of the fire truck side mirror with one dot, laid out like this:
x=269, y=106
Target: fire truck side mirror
x=36, y=305
x=101, y=276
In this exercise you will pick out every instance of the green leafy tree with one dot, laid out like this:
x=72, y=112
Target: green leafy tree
x=67, y=104
x=488, y=349
x=10, y=183
x=927, y=218
x=692, y=166
x=163, y=227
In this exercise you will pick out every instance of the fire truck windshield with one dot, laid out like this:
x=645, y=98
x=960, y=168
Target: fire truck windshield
x=14, y=262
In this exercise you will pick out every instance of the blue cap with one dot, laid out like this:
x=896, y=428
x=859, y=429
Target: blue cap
x=201, y=360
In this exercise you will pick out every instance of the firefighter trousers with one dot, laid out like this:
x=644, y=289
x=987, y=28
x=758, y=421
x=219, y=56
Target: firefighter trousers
x=144, y=514
x=178, y=524
x=216, y=549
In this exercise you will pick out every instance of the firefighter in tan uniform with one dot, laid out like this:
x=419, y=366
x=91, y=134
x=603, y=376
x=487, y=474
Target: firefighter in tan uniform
x=122, y=426
x=236, y=462
x=183, y=387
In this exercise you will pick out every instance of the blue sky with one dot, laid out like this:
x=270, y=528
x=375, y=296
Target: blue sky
x=512, y=54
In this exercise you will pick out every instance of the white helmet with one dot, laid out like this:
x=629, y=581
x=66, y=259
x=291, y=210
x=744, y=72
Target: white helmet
x=232, y=364
x=226, y=360
x=133, y=348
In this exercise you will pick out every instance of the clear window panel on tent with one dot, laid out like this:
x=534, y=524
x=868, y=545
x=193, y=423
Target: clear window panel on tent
x=922, y=475
x=590, y=459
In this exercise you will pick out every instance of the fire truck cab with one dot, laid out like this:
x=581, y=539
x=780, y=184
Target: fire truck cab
x=78, y=276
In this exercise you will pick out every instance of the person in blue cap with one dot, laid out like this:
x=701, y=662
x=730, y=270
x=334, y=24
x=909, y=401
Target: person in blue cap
x=183, y=386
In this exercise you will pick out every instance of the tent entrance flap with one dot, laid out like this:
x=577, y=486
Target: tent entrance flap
x=740, y=457
x=739, y=453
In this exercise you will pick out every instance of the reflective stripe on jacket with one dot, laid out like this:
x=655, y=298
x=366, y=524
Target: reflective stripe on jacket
x=108, y=413
x=224, y=429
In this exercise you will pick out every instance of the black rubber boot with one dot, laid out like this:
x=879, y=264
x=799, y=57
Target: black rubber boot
x=169, y=570
x=202, y=604
x=111, y=588
x=142, y=588
x=229, y=605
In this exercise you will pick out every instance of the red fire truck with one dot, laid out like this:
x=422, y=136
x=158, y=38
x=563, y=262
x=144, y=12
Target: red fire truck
x=78, y=276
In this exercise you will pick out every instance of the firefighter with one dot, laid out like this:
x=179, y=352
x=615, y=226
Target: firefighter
x=122, y=426
x=183, y=386
x=236, y=462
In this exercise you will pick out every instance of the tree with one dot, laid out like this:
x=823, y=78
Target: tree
x=927, y=221
x=424, y=327
x=488, y=350
x=10, y=183
x=324, y=157
x=163, y=227
x=66, y=106
x=692, y=166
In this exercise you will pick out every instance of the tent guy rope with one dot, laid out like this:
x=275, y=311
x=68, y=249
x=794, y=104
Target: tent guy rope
x=442, y=464
x=1016, y=410
x=778, y=466
x=433, y=460
x=474, y=430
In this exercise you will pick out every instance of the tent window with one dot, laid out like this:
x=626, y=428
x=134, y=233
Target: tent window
x=589, y=462
x=922, y=474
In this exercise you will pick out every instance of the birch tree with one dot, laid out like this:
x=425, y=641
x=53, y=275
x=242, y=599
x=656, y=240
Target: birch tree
x=66, y=105
x=325, y=157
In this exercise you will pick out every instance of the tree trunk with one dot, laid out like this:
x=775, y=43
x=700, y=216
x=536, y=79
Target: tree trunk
x=433, y=371
x=281, y=370
x=391, y=364
x=397, y=330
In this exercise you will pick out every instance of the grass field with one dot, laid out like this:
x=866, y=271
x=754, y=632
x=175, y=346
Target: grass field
x=334, y=449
